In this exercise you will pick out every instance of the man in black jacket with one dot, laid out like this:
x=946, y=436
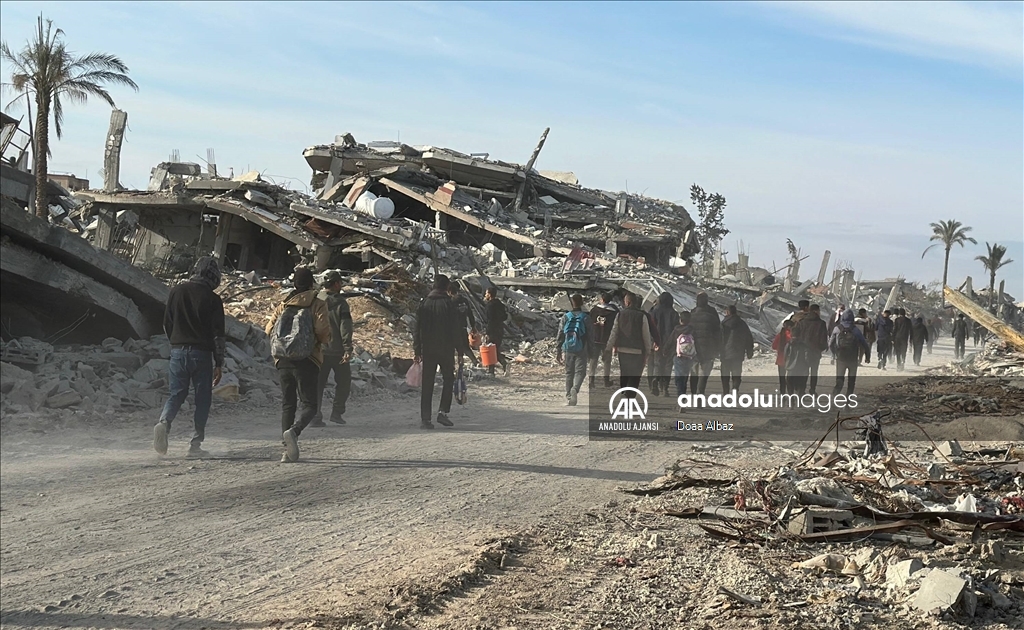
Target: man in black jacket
x=707, y=337
x=810, y=333
x=337, y=354
x=496, y=316
x=602, y=318
x=901, y=327
x=960, y=330
x=664, y=318
x=194, y=323
x=434, y=343
x=631, y=341
x=737, y=343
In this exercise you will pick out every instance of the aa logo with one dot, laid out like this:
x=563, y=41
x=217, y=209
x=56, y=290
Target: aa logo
x=628, y=407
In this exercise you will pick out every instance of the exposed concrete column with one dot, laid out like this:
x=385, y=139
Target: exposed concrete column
x=441, y=221
x=105, y=227
x=220, y=245
x=824, y=267
x=112, y=151
x=611, y=248
x=323, y=256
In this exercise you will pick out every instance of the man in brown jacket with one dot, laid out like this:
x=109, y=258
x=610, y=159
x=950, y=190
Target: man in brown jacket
x=299, y=375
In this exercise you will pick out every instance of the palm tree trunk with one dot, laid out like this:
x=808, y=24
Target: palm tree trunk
x=991, y=288
x=39, y=151
x=945, y=274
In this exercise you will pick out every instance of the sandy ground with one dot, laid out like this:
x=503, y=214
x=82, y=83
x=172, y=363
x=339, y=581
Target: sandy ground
x=99, y=532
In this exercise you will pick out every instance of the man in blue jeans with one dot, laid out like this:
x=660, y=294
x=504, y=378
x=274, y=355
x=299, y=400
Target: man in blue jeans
x=194, y=323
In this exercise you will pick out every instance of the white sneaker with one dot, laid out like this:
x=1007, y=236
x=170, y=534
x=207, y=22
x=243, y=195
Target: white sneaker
x=284, y=458
x=160, y=438
x=291, y=444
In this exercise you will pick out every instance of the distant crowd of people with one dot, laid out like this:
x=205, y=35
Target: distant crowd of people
x=311, y=339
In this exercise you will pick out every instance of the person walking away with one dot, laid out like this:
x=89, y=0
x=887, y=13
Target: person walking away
x=847, y=343
x=299, y=330
x=867, y=329
x=194, y=324
x=434, y=344
x=804, y=307
x=812, y=334
x=959, y=336
x=918, y=337
x=933, y=332
x=977, y=334
x=737, y=344
x=707, y=334
x=573, y=343
x=631, y=341
x=602, y=318
x=664, y=320
x=779, y=346
x=833, y=322
x=883, y=331
x=337, y=354
x=685, y=352
x=901, y=327
x=496, y=314
x=656, y=343
x=467, y=323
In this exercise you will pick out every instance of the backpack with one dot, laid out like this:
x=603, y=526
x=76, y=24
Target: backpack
x=795, y=356
x=846, y=344
x=293, y=337
x=685, y=347
x=575, y=329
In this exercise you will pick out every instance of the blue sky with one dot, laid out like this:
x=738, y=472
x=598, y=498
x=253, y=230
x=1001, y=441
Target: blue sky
x=847, y=126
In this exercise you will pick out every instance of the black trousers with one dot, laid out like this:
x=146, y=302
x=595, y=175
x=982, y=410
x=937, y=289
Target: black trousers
x=631, y=367
x=900, y=350
x=813, y=362
x=699, y=376
x=298, y=392
x=732, y=369
x=783, y=381
x=502, y=359
x=959, y=348
x=342, y=383
x=844, y=369
x=918, y=348
x=430, y=364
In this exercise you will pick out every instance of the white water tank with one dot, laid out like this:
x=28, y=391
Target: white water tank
x=377, y=207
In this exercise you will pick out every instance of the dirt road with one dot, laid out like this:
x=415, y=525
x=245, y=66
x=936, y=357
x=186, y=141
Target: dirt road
x=99, y=532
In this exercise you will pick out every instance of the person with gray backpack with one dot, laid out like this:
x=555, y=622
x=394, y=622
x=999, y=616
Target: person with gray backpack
x=299, y=330
x=574, y=340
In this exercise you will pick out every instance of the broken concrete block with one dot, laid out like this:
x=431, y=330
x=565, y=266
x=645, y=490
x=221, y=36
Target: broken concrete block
x=86, y=371
x=950, y=448
x=63, y=400
x=228, y=388
x=150, y=398
x=819, y=520
x=833, y=562
x=84, y=387
x=939, y=591
x=11, y=376
x=124, y=360
x=152, y=370
x=111, y=344
x=935, y=471
x=898, y=574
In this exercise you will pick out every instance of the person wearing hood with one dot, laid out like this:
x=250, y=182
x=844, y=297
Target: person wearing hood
x=811, y=335
x=918, y=337
x=602, y=317
x=302, y=314
x=664, y=320
x=194, y=324
x=707, y=335
x=847, y=343
x=435, y=339
x=737, y=344
x=779, y=344
x=867, y=328
x=901, y=337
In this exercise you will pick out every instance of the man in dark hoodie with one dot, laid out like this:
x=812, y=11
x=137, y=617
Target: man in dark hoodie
x=707, y=337
x=901, y=327
x=665, y=319
x=631, y=342
x=847, y=343
x=918, y=337
x=684, y=351
x=300, y=375
x=337, y=354
x=960, y=331
x=434, y=343
x=496, y=314
x=812, y=333
x=737, y=344
x=883, y=333
x=194, y=323
x=602, y=318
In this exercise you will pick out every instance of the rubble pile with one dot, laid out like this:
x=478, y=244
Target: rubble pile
x=995, y=359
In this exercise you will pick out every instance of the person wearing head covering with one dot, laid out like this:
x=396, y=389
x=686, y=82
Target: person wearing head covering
x=299, y=374
x=435, y=341
x=918, y=337
x=194, y=324
x=602, y=317
x=664, y=320
x=337, y=354
x=847, y=343
x=737, y=344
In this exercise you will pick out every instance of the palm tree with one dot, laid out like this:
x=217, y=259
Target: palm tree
x=948, y=233
x=47, y=71
x=993, y=263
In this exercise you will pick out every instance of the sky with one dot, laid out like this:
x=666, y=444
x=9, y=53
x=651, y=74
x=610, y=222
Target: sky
x=845, y=126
